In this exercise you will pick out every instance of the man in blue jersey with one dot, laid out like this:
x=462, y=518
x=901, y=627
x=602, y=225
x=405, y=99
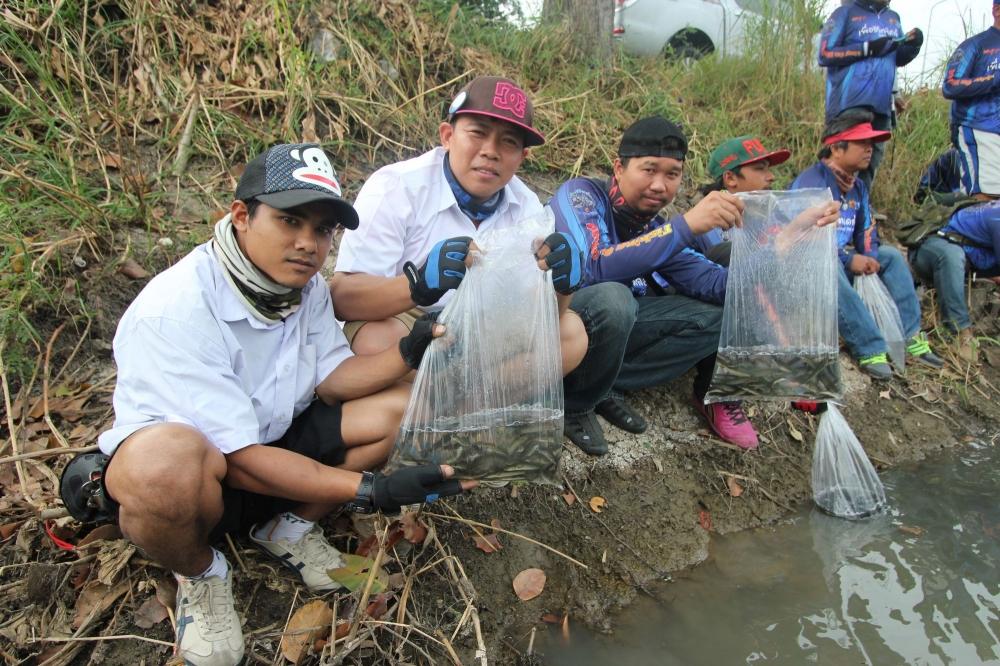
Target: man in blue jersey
x=942, y=181
x=674, y=292
x=970, y=240
x=847, y=150
x=861, y=46
x=972, y=82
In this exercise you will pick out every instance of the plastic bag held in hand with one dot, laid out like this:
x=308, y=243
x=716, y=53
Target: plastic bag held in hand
x=883, y=310
x=844, y=482
x=487, y=398
x=779, y=321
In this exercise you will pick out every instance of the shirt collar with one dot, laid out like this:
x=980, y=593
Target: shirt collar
x=446, y=198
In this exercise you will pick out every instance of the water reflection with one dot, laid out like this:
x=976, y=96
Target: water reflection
x=917, y=586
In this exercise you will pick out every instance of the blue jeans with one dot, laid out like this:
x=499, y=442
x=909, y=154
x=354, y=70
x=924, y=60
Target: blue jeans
x=942, y=264
x=856, y=324
x=636, y=343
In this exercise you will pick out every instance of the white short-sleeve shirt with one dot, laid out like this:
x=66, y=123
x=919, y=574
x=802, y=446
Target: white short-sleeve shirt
x=407, y=207
x=188, y=351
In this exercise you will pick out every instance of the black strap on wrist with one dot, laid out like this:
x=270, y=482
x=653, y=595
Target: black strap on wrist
x=363, y=501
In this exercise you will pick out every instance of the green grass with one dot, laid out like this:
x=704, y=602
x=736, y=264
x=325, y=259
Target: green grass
x=92, y=118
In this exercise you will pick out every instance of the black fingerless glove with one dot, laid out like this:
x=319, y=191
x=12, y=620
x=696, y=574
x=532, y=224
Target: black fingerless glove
x=443, y=270
x=565, y=258
x=879, y=47
x=413, y=345
x=411, y=485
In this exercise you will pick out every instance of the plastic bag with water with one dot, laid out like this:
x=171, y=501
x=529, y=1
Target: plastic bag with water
x=844, y=481
x=779, y=321
x=487, y=398
x=883, y=310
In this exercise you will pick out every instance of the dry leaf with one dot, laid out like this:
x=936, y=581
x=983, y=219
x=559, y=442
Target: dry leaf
x=912, y=530
x=112, y=160
x=794, y=432
x=705, y=520
x=597, y=504
x=96, y=598
x=7, y=530
x=378, y=606
x=551, y=618
x=150, y=613
x=569, y=497
x=355, y=572
x=487, y=543
x=414, y=531
x=166, y=591
x=735, y=489
x=529, y=584
x=131, y=268
x=309, y=623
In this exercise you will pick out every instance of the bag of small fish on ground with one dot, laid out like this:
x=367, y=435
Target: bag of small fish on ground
x=844, y=481
x=878, y=301
x=487, y=398
x=779, y=321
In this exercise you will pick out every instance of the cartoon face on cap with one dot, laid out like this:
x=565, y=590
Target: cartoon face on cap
x=316, y=169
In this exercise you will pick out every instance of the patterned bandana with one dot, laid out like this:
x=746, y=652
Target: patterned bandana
x=845, y=181
x=629, y=221
x=476, y=212
x=267, y=300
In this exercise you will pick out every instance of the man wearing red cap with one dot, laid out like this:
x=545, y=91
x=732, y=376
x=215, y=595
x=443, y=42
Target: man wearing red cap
x=847, y=150
x=419, y=217
x=972, y=82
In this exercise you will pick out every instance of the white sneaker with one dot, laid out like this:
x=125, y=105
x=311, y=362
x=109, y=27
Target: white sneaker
x=311, y=557
x=208, y=628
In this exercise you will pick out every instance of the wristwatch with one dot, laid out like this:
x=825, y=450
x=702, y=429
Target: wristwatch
x=364, y=501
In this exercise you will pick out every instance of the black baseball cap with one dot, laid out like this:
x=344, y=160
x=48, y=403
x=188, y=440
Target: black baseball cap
x=497, y=97
x=293, y=174
x=653, y=137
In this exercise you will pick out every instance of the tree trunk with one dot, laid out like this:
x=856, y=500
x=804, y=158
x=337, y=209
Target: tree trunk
x=589, y=23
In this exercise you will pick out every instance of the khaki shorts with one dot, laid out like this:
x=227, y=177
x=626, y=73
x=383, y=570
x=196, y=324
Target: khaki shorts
x=408, y=319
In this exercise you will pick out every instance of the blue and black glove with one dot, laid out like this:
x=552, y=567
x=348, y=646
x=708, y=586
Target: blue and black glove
x=443, y=270
x=880, y=47
x=411, y=485
x=413, y=345
x=565, y=258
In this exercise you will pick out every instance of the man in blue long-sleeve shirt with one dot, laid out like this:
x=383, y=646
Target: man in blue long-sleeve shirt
x=942, y=181
x=972, y=82
x=847, y=150
x=673, y=292
x=861, y=46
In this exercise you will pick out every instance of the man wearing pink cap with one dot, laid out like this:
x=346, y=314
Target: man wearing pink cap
x=847, y=150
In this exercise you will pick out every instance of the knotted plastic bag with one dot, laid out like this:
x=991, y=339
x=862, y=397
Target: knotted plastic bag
x=487, y=398
x=844, y=482
x=779, y=321
x=883, y=310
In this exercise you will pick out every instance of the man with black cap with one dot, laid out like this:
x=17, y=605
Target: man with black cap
x=848, y=142
x=419, y=218
x=861, y=46
x=634, y=250
x=239, y=405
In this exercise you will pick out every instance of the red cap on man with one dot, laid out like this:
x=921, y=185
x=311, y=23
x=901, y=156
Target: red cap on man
x=497, y=97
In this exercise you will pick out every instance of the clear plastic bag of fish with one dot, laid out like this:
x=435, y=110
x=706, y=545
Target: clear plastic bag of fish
x=844, y=481
x=883, y=310
x=488, y=398
x=779, y=321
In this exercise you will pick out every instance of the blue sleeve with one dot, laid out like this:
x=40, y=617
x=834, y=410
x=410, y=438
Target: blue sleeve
x=707, y=240
x=583, y=210
x=959, y=81
x=692, y=274
x=832, y=50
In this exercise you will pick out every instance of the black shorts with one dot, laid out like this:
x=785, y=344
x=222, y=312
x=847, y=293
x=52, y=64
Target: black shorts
x=316, y=434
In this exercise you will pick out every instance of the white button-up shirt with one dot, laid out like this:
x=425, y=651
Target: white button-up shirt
x=407, y=207
x=188, y=351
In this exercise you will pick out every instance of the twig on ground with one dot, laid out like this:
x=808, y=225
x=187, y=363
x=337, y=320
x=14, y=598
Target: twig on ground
x=239, y=560
x=48, y=453
x=15, y=447
x=98, y=639
x=45, y=387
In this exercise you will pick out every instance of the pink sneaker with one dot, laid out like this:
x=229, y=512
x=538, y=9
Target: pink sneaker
x=730, y=423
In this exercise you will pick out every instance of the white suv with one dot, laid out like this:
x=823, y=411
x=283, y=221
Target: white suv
x=684, y=28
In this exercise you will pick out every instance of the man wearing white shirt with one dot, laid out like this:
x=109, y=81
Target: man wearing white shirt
x=418, y=219
x=239, y=404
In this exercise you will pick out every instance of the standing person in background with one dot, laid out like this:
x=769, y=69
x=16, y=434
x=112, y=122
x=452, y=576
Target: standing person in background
x=972, y=82
x=847, y=150
x=861, y=46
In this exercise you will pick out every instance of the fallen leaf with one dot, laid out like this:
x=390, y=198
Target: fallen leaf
x=529, y=584
x=166, y=592
x=365, y=547
x=354, y=574
x=130, y=268
x=150, y=613
x=569, y=497
x=794, y=432
x=705, y=520
x=885, y=395
x=8, y=529
x=488, y=543
x=95, y=599
x=308, y=624
x=100, y=533
x=597, y=504
x=912, y=530
x=551, y=618
x=112, y=161
x=414, y=531
x=378, y=606
x=735, y=489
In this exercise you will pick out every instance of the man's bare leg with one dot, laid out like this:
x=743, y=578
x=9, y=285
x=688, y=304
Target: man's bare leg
x=167, y=479
x=377, y=336
x=572, y=340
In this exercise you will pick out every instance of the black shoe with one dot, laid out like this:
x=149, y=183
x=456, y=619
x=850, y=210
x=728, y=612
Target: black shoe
x=584, y=431
x=617, y=412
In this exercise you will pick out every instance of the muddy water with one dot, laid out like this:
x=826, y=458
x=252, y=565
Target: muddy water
x=920, y=585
